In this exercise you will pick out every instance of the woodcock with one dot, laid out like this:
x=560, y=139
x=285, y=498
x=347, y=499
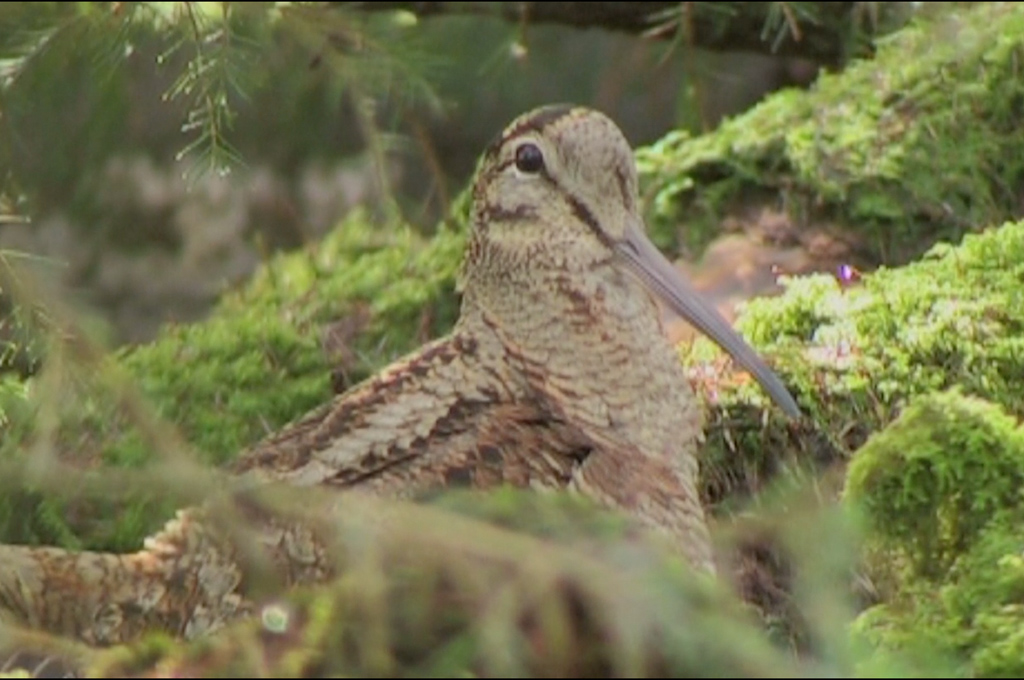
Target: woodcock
x=557, y=375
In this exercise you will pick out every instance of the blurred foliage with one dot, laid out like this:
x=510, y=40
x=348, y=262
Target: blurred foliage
x=508, y=582
x=216, y=57
x=534, y=585
x=20, y=330
x=848, y=29
x=920, y=143
x=941, y=493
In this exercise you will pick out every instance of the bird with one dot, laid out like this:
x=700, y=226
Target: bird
x=557, y=375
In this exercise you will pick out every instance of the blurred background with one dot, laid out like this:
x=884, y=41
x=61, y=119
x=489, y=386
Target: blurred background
x=154, y=153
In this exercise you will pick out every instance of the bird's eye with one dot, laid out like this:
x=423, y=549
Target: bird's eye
x=529, y=159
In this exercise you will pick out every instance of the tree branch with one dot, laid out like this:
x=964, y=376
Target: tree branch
x=820, y=31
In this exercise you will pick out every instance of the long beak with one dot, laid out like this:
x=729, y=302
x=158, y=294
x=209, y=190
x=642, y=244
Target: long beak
x=661, y=278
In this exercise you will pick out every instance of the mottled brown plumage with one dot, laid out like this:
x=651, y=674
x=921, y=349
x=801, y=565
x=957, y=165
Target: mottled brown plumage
x=557, y=375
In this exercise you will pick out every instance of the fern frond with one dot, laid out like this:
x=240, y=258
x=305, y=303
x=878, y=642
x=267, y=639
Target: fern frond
x=221, y=66
x=41, y=31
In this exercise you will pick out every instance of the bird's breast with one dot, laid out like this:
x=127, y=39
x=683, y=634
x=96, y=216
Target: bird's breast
x=594, y=349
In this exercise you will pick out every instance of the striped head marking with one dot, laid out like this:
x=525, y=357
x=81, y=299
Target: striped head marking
x=567, y=170
x=556, y=193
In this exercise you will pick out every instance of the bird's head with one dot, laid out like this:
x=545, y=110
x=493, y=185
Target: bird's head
x=556, y=192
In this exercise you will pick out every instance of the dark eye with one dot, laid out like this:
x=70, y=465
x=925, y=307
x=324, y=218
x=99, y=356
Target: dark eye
x=529, y=159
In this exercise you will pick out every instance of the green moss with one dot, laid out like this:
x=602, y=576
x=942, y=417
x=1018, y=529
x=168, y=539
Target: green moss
x=941, y=493
x=854, y=355
x=895, y=643
x=259, y=360
x=932, y=481
x=14, y=402
x=920, y=143
x=973, y=617
x=256, y=363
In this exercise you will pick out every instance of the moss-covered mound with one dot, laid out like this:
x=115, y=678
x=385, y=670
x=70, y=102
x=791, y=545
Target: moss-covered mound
x=921, y=143
x=855, y=354
x=942, y=494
